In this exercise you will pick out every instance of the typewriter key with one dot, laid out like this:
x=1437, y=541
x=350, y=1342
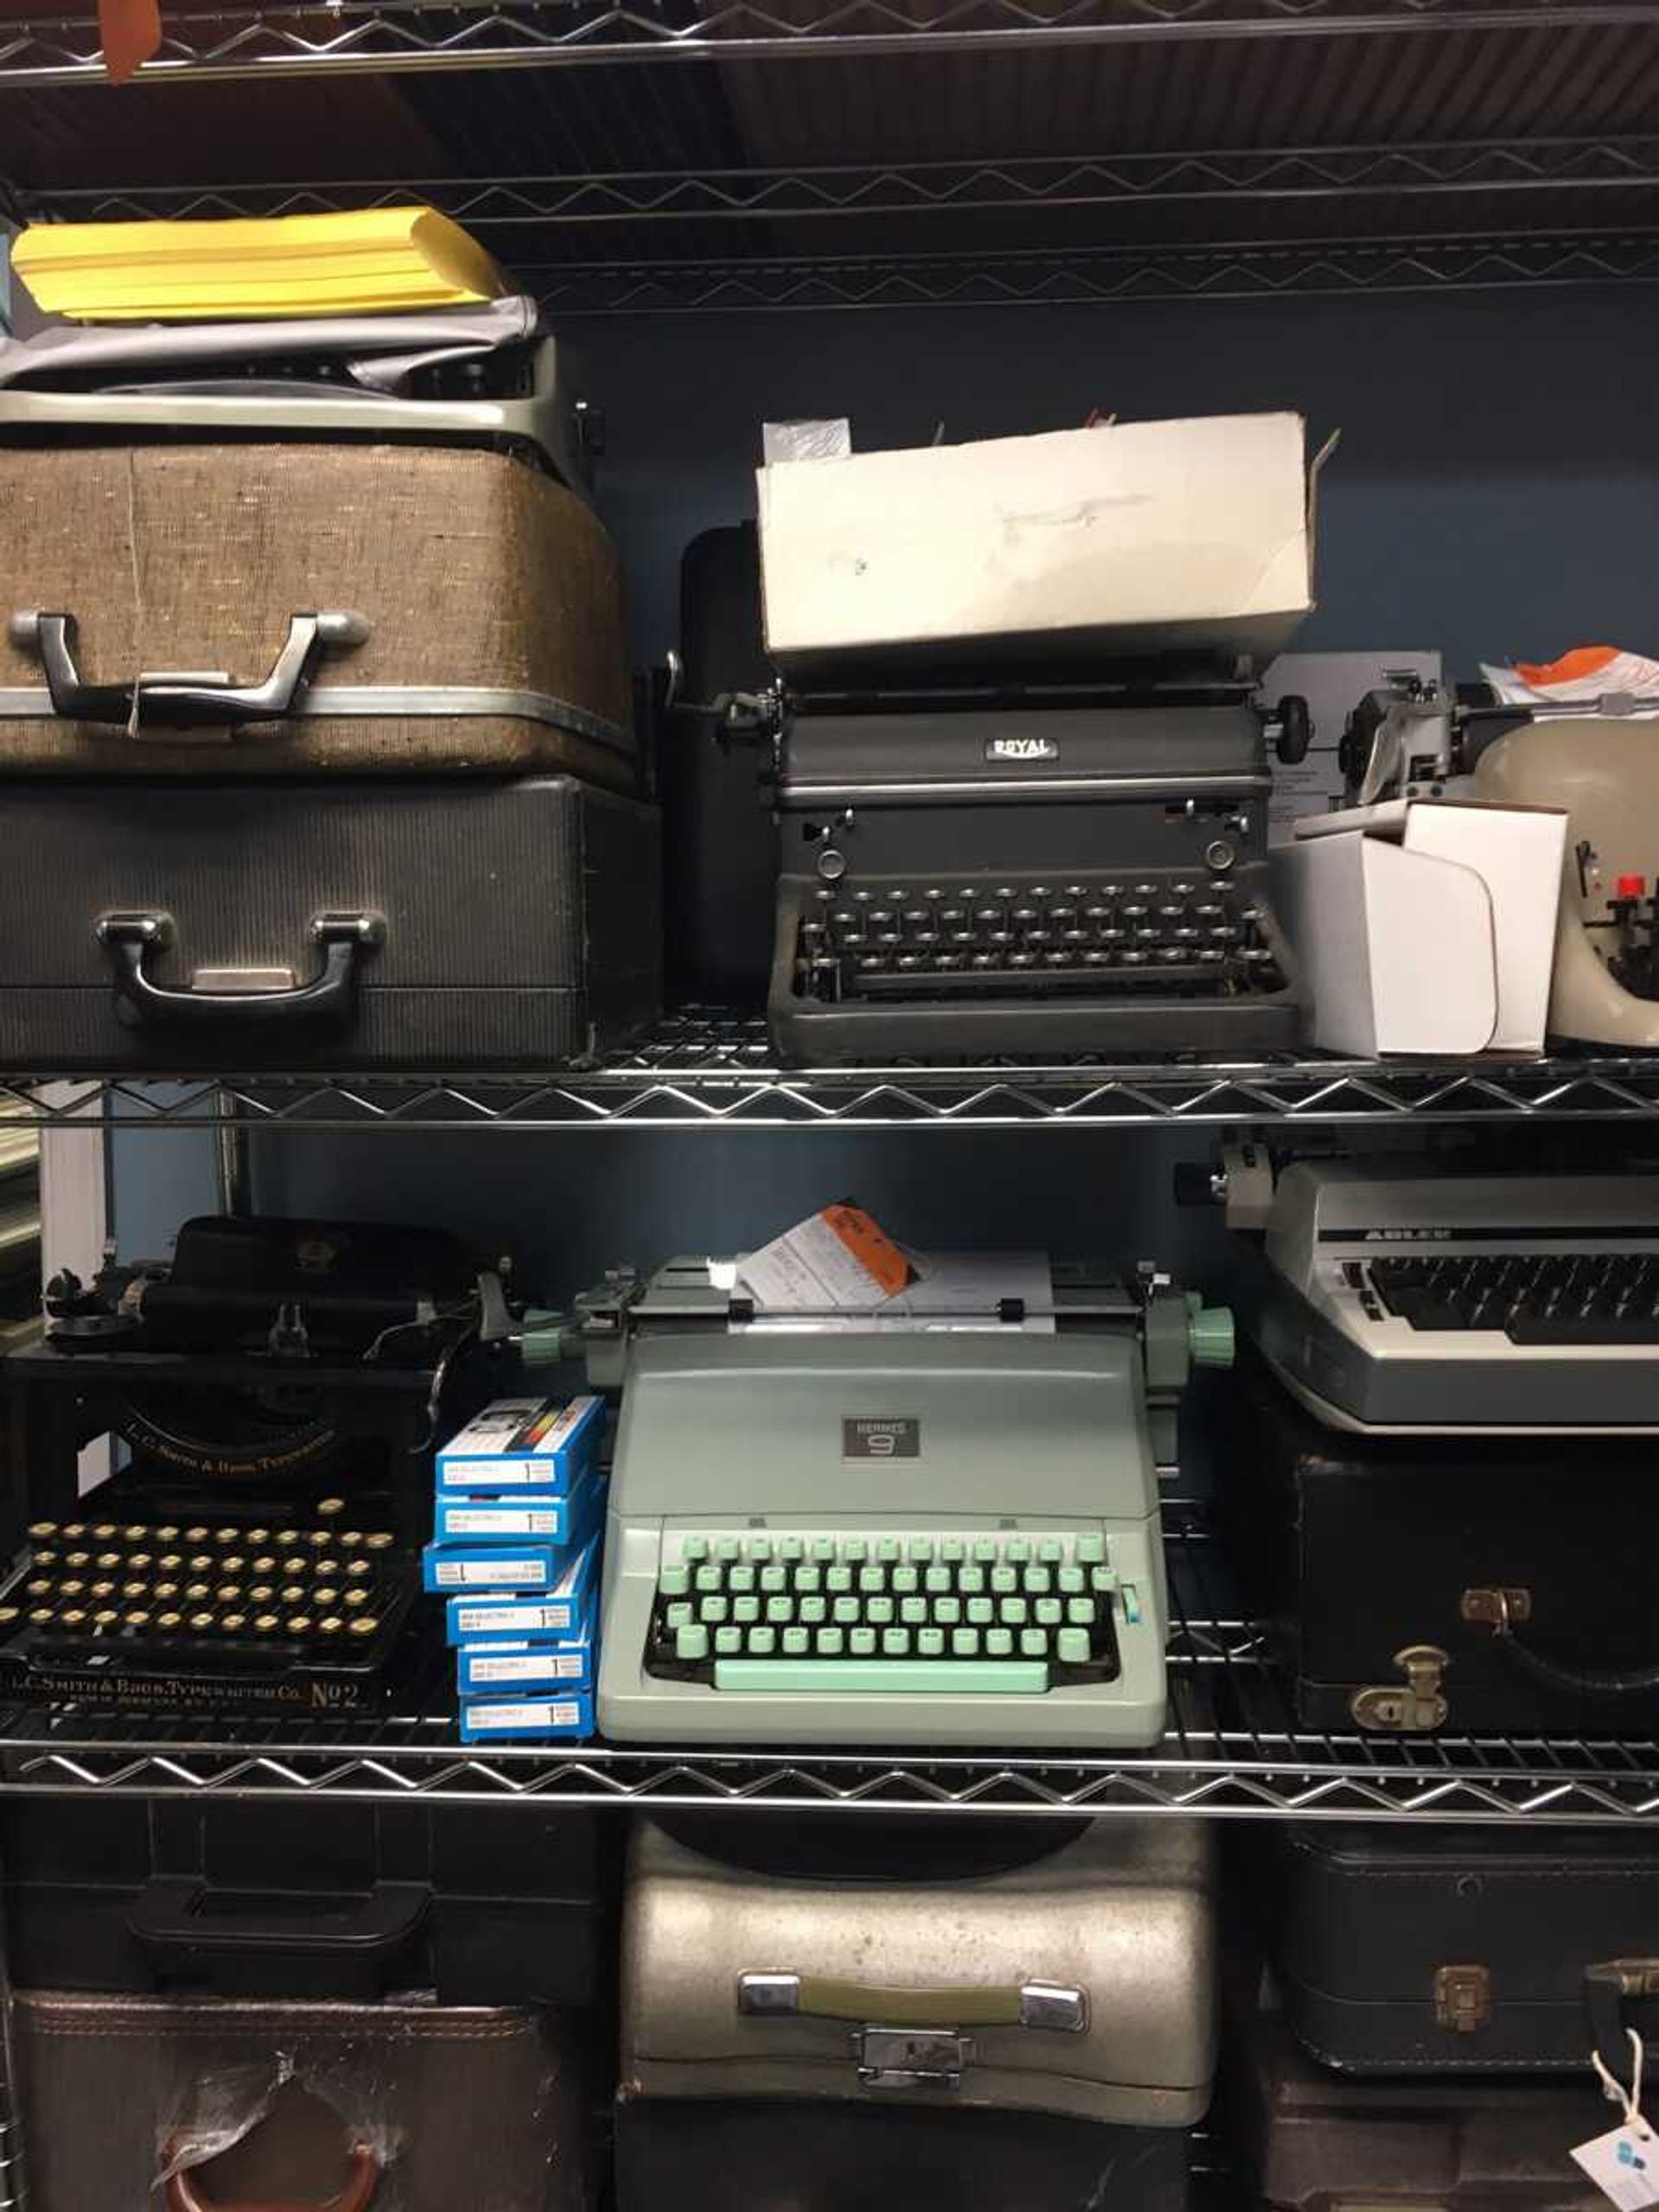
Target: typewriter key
x=233, y=1624
x=333, y=1627
x=103, y=1590
x=140, y=1619
x=78, y=1559
x=40, y=1530
x=299, y=1624
x=349, y=1539
x=328, y=1570
x=319, y=1539
x=327, y=1507
x=324, y=1600
x=41, y=1587
x=380, y=1541
x=45, y=1556
x=170, y=1562
x=287, y=1538
x=105, y=1620
x=203, y=1622
x=43, y=1616
x=228, y=1593
x=266, y=1624
x=107, y=1560
x=355, y=1598
x=232, y=1563
x=169, y=1624
x=10, y=1613
x=202, y=1562
x=198, y=1534
x=365, y=1625
x=105, y=1531
x=73, y=1588
x=139, y=1561
x=257, y=1537
x=227, y=1535
x=264, y=1564
x=74, y=1530
x=166, y=1535
x=358, y=1570
x=293, y=1594
x=197, y=1594
x=164, y=1593
x=261, y=1594
x=136, y=1533
x=130, y=1590
x=75, y=1618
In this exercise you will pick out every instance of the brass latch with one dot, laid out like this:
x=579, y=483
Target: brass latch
x=1497, y=1610
x=1462, y=1998
x=1411, y=1709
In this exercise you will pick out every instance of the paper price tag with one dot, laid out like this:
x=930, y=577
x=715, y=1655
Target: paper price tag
x=1623, y=2165
x=838, y=1260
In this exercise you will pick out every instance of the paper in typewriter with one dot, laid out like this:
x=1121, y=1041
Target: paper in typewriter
x=818, y=1276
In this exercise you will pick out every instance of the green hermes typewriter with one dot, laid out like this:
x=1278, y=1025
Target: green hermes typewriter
x=946, y=1533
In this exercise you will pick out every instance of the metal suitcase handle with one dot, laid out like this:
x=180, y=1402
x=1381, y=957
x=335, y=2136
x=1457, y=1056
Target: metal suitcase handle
x=1029, y=2005
x=129, y=939
x=182, y=699
x=1609, y=1985
x=1502, y=1611
x=183, y=2195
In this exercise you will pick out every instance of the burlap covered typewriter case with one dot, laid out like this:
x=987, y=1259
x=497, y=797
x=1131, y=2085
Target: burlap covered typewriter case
x=1079, y=1980
x=476, y=604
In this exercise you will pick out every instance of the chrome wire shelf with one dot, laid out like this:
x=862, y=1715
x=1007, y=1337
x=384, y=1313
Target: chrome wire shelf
x=338, y=37
x=704, y=1071
x=1231, y=1750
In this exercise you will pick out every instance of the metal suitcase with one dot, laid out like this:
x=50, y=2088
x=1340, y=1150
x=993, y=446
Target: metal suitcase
x=1074, y=1976
x=160, y=2105
x=289, y=608
x=1314, y=2141
x=323, y=925
x=1465, y=1950
x=1421, y=1583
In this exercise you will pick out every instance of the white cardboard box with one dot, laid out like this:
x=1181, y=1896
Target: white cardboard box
x=1124, y=538
x=1425, y=925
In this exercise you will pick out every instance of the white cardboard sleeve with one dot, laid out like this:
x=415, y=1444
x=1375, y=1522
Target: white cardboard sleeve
x=1425, y=927
x=1126, y=537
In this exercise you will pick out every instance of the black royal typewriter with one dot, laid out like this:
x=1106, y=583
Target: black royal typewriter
x=275, y=1391
x=1027, y=871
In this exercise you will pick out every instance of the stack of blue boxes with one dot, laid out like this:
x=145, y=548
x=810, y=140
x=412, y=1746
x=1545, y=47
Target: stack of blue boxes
x=519, y=1525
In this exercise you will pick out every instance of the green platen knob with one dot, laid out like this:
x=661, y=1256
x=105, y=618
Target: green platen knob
x=1210, y=1337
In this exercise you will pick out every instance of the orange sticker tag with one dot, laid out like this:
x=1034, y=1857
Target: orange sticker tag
x=872, y=1247
x=130, y=32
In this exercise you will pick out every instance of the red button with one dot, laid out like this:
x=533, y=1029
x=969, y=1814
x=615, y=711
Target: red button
x=1632, y=886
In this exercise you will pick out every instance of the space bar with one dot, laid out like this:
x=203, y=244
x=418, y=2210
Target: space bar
x=894, y=1677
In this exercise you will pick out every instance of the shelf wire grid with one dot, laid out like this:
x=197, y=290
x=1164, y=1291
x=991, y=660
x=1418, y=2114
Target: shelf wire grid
x=389, y=35
x=705, y=1070
x=1232, y=1749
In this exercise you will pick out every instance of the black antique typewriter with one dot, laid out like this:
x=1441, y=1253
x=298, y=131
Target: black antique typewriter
x=1028, y=871
x=271, y=1395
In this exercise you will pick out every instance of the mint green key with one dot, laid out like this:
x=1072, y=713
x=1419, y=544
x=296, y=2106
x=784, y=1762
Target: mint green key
x=808, y=1579
x=691, y=1643
x=759, y=1549
x=1017, y=1551
x=965, y=1642
x=981, y=1611
x=872, y=1578
x=1091, y=1548
x=887, y=1549
x=713, y=1610
x=1070, y=1581
x=831, y=1643
x=710, y=1579
x=1080, y=1612
x=985, y=1550
x=952, y=1551
x=681, y=1616
x=947, y=1611
x=895, y=1643
x=728, y=1547
x=885, y=1677
x=920, y=1549
x=1004, y=1581
x=878, y=1612
x=824, y=1550
x=837, y=1579
x=903, y=1581
x=797, y=1643
x=1104, y=1579
x=1033, y=1642
x=930, y=1643
x=854, y=1550
x=729, y=1643
x=1074, y=1647
x=999, y=1643
x=746, y=1609
x=813, y=1609
x=913, y=1611
x=791, y=1549
x=740, y=1578
x=780, y=1611
x=773, y=1579
x=763, y=1642
x=1131, y=1604
x=693, y=1549
x=1040, y=1580
x=1048, y=1612
x=848, y=1611
x=861, y=1641
x=1050, y=1551
x=1013, y=1613
x=673, y=1581
x=970, y=1581
x=937, y=1581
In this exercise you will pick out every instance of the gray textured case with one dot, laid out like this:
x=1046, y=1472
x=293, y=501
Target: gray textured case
x=1081, y=1982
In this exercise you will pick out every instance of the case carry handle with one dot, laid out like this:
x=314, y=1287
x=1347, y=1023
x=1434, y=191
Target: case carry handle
x=129, y=939
x=183, y=699
x=183, y=2195
x=167, y=1916
x=1029, y=2005
x=1609, y=1985
x=1503, y=1610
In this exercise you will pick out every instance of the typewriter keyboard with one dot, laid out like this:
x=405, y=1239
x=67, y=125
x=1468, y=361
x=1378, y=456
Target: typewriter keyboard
x=1164, y=934
x=1533, y=1298
x=992, y=1613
